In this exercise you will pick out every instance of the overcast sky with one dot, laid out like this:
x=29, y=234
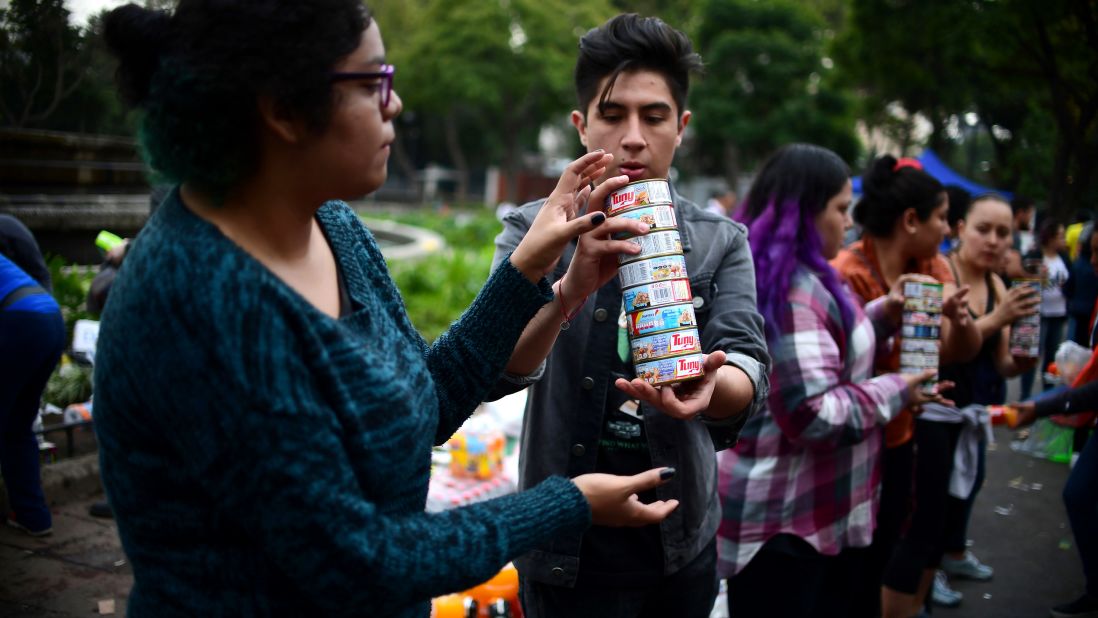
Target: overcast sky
x=83, y=9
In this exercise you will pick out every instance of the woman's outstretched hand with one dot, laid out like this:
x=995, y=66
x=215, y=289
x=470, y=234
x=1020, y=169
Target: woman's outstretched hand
x=917, y=396
x=556, y=223
x=614, y=502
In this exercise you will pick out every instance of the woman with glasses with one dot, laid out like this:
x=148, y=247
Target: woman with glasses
x=265, y=409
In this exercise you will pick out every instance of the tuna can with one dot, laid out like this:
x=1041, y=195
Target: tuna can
x=654, y=244
x=671, y=370
x=657, y=295
x=1025, y=333
x=651, y=321
x=661, y=345
x=639, y=193
x=656, y=217
x=921, y=329
x=652, y=270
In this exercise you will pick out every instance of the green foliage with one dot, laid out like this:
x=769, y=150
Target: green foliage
x=1025, y=67
x=439, y=287
x=69, y=383
x=500, y=68
x=70, y=289
x=766, y=84
x=54, y=75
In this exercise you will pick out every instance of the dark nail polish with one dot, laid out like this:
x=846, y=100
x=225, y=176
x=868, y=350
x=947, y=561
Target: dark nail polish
x=667, y=473
x=598, y=218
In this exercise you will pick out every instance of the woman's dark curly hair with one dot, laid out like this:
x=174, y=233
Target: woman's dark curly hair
x=196, y=74
x=887, y=192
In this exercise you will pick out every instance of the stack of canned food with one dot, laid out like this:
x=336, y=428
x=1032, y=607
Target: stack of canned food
x=659, y=312
x=1025, y=333
x=921, y=330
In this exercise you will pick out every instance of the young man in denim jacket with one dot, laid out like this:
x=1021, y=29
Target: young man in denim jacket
x=632, y=77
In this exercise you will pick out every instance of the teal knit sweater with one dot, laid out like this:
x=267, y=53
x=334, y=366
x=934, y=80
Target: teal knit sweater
x=265, y=459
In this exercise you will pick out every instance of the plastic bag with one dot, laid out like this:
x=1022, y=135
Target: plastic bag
x=1070, y=360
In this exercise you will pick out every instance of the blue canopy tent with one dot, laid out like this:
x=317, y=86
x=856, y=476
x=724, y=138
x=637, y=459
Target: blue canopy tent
x=937, y=168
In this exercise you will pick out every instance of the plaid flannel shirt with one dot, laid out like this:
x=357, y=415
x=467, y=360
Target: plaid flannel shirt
x=808, y=464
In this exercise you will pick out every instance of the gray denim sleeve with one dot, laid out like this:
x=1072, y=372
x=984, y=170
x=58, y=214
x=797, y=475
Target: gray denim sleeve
x=736, y=327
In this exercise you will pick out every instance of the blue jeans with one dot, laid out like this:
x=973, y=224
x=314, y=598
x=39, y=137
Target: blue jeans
x=1081, y=499
x=30, y=346
x=687, y=593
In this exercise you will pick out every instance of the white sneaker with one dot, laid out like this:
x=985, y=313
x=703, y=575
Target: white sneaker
x=941, y=594
x=968, y=567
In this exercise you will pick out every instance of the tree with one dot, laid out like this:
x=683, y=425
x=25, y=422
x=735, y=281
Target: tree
x=921, y=68
x=41, y=60
x=1057, y=43
x=767, y=83
x=500, y=67
x=1025, y=68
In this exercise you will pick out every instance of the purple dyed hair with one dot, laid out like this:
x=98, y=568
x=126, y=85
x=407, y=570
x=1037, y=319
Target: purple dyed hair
x=780, y=211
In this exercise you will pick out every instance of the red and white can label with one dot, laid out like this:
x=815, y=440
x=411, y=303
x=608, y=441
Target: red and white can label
x=651, y=321
x=652, y=270
x=657, y=295
x=651, y=245
x=661, y=345
x=640, y=193
x=670, y=370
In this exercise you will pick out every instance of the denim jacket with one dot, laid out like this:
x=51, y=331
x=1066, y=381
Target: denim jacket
x=567, y=399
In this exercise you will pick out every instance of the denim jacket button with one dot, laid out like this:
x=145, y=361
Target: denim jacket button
x=587, y=383
x=557, y=572
x=600, y=315
x=578, y=450
x=699, y=302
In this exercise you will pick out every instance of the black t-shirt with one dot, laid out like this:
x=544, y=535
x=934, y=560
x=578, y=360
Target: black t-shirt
x=622, y=557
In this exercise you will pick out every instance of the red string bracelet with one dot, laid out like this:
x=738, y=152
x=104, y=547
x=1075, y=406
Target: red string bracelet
x=566, y=318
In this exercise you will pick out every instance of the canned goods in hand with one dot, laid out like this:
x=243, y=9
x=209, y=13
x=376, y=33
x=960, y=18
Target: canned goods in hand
x=661, y=345
x=639, y=193
x=671, y=317
x=654, y=244
x=670, y=370
x=657, y=294
x=652, y=270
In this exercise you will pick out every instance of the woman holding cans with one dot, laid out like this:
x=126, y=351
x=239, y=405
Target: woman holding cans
x=984, y=233
x=799, y=490
x=265, y=410
x=1051, y=260
x=903, y=213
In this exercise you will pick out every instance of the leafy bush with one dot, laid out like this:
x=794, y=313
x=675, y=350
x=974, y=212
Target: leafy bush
x=439, y=287
x=70, y=289
x=70, y=383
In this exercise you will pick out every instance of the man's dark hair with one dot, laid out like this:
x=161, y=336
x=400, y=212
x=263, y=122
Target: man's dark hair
x=629, y=42
x=1049, y=230
x=1020, y=203
x=196, y=73
x=959, y=202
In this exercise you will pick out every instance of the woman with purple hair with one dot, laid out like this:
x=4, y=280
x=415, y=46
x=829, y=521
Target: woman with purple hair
x=799, y=490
